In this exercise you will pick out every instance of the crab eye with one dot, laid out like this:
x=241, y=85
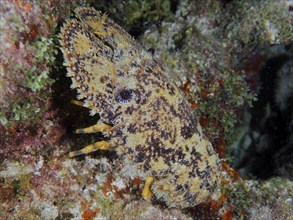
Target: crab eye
x=124, y=95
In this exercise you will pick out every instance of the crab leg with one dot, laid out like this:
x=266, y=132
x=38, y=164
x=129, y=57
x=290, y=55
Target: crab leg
x=100, y=145
x=79, y=103
x=146, y=193
x=100, y=127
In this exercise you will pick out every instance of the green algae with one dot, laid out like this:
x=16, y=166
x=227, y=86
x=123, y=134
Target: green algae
x=247, y=197
x=28, y=108
x=137, y=15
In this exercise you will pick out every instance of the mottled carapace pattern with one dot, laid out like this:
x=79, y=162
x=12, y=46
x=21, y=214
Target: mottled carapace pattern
x=155, y=132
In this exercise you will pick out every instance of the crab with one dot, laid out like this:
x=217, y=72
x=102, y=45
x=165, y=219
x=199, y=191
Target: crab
x=150, y=125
